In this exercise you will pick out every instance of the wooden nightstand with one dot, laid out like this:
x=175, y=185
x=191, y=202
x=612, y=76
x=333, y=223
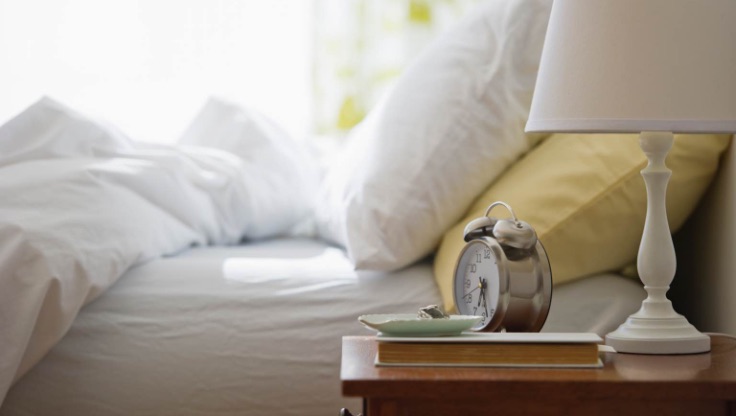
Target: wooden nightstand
x=702, y=384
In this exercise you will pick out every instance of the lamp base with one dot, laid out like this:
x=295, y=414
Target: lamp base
x=656, y=328
x=641, y=335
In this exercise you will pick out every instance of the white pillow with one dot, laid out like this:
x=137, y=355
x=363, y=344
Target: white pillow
x=283, y=173
x=453, y=123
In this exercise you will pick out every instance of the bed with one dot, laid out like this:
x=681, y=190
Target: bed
x=156, y=280
x=217, y=276
x=248, y=330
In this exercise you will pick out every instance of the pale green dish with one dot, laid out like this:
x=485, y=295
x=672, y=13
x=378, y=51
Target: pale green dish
x=409, y=325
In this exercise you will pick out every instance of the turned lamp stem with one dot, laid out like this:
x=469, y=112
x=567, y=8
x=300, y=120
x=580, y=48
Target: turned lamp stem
x=657, y=261
x=656, y=328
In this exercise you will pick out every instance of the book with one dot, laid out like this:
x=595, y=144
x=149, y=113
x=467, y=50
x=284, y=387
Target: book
x=497, y=349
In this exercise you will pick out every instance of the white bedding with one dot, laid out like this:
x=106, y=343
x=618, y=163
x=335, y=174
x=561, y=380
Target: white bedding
x=81, y=203
x=252, y=330
x=249, y=330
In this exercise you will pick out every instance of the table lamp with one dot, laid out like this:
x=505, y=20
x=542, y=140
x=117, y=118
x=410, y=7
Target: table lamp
x=654, y=67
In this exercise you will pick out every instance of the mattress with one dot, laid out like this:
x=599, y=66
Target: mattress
x=248, y=330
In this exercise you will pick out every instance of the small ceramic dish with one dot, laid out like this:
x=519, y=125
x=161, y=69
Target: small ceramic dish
x=409, y=325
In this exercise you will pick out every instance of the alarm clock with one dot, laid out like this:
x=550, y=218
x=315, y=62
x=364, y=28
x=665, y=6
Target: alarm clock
x=503, y=274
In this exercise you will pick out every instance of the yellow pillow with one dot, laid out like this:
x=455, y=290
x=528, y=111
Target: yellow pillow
x=586, y=199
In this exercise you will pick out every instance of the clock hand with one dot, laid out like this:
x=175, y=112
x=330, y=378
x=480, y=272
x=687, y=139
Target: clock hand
x=470, y=294
x=482, y=294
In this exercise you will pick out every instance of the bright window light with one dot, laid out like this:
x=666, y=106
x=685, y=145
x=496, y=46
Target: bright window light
x=148, y=66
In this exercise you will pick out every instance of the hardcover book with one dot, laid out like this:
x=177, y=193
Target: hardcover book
x=497, y=349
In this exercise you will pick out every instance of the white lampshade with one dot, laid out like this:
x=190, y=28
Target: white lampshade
x=637, y=65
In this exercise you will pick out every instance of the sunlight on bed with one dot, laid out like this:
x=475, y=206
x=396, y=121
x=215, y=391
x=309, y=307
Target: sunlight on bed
x=327, y=269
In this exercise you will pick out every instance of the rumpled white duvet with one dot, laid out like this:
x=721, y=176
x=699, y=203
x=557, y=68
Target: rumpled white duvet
x=80, y=203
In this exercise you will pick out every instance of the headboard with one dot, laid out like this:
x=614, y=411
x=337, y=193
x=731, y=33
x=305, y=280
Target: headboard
x=705, y=286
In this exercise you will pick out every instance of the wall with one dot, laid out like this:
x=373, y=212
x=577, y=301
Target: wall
x=705, y=287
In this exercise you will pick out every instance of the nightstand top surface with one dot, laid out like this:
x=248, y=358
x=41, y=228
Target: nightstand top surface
x=710, y=375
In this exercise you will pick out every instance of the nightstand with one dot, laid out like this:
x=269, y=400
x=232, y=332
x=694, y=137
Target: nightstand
x=701, y=384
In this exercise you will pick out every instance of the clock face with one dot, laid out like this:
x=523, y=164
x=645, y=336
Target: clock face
x=477, y=282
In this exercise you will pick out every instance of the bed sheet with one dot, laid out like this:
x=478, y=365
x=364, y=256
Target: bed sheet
x=247, y=330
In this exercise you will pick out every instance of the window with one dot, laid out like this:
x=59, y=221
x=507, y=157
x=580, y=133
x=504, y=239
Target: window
x=148, y=66
x=314, y=66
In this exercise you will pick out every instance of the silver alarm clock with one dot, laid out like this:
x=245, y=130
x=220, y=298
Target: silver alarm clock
x=503, y=274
